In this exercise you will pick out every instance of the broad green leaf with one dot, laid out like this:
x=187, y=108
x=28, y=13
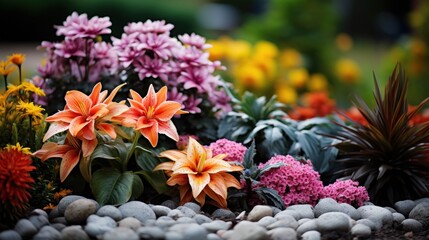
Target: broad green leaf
x=137, y=188
x=249, y=155
x=271, y=197
x=111, y=186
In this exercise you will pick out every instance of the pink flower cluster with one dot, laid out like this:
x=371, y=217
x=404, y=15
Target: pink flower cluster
x=80, y=54
x=234, y=150
x=295, y=182
x=347, y=191
x=182, y=64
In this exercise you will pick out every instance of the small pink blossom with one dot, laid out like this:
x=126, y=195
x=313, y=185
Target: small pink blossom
x=234, y=150
x=78, y=26
x=347, y=191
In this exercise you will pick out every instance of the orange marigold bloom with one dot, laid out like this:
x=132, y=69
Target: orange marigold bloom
x=83, y=114
x=152, y=115
x=17, y=58
x=15, y=179
x=199, y=174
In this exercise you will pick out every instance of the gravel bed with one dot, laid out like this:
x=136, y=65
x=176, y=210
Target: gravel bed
x=77, y=217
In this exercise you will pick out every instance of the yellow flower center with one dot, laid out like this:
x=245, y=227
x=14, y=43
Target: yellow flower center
x=150, y=112
x=200, y=166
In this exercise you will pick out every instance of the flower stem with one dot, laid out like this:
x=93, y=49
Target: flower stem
x=5, y=82
x=133, y=147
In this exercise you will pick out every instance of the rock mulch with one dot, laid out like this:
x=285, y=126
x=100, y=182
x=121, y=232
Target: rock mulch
x=76, y=217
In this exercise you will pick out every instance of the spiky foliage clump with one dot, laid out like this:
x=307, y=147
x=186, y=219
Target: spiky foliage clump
x=388, y=155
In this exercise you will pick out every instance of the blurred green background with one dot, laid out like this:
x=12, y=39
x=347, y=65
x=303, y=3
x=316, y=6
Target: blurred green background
x=373, y=35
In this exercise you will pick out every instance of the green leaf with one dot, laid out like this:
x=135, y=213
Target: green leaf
x=249, y=155
x=147, y=160
x=137, y=188
x=271, y=197
x=268, y=167
x=111, y=186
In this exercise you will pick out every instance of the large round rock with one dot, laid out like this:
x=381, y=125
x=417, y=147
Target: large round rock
x=421, y=213
x=138, y=210
x=78, y=211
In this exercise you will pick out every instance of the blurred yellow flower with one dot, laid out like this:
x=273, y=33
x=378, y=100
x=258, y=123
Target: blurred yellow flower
x=217, y=51
x=347, y=71
x=298, y=77
x=238, y=50
x=267, y=65
x=29, y=109
x=266, y=49
x=286, y=94
x=6, y=68
x=290, y=58
x=249, y=77
x=317, y=82
x=418, y=47
x=344, y=42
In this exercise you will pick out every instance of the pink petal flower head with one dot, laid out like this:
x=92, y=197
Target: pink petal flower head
x=234, y=150
x=147, y=67
x=347, y=191
x=158, y=27
x=194, y=40
x=78, y=26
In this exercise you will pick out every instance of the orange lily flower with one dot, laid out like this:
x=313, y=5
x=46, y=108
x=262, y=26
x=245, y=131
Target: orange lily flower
x=84, y=114
x=199, y=174
x=69, y=152
x=152, y=115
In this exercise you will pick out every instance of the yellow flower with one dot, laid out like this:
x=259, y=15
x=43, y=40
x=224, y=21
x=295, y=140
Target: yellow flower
x=286, y=94
x=347, y=71
x=6, y=68
x=30, y=87
x=17, y=146
x=266, y=49
x=17, y=58
x=48, y=207
x=317, y=82
x=238, y=50
x=217, y=51
x=199, y=174
x=267, y=65
x=298, y=77
x=61, y=194
x=290, y=58
x=250, y=77
x=29, y=109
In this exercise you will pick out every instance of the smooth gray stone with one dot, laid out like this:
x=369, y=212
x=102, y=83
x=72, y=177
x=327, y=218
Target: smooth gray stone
x=47, y=233
x=404, y=207
x=39, y=211
x=258, y=212
x=74, y=232
x=368, y=223
x=78, y=211
x=222, y=213
x=25, y=228
x=311, y=235
x=310, y=225
x=305, y=210
x=10, y=235
x=187, y=212
x=190, y=231
x=361, y=230
x=398, y=218
x=165, y=221
x=200, y=219
x=283, y=234
x=411, y=225
x=175, y=214
x=65, y=201
x=58, y=226
x=379, y=215
x=130, y=222
x=334, y=221
x=213, y=236
x=61, y=220
x=151, y=232
x=265, y=221
x=185, y=220
x=121, y=233
x=326, y=205
x=54, y=213
x=97, y=226
x=110, y=211
x=392, y=210
x=160, y=210
x=195, y=207
x=137, y=209
x=38, y=221
x=170, y=204
x=295, y=214
x=421, y=213
x=288, y=223
x=217, y=225
x=350, y=210
x=174, y=236
x=246, y=230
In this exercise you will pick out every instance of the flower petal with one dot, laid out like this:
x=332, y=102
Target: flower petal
x=217, y=184
x=179, y=179
x=112, y=95
x=150, y=98
x=69, y=161
x=109, y=129
x=95, y=94
x=55, y=128
x=185, y=194
x=150, y=133
x=166, y=110
x=198, y=182
x=230, y=180
x=62, y=116
x=77, y=124
x=50, y=150
x=195, y=151
x=214, y=165
x=78, y=102
x=201, y=199
x=88, y=146
x=136, y=96
x=216, y=198
x=161, y=95
x=166, y=166
x=173, y=155
x=169, y=129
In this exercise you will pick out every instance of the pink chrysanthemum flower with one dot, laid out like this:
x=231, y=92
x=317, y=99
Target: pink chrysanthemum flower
x=234, y=150
x=78, y=26
x=295, y=182
x=149, y=26
x=347, y=191
x=194, y=40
